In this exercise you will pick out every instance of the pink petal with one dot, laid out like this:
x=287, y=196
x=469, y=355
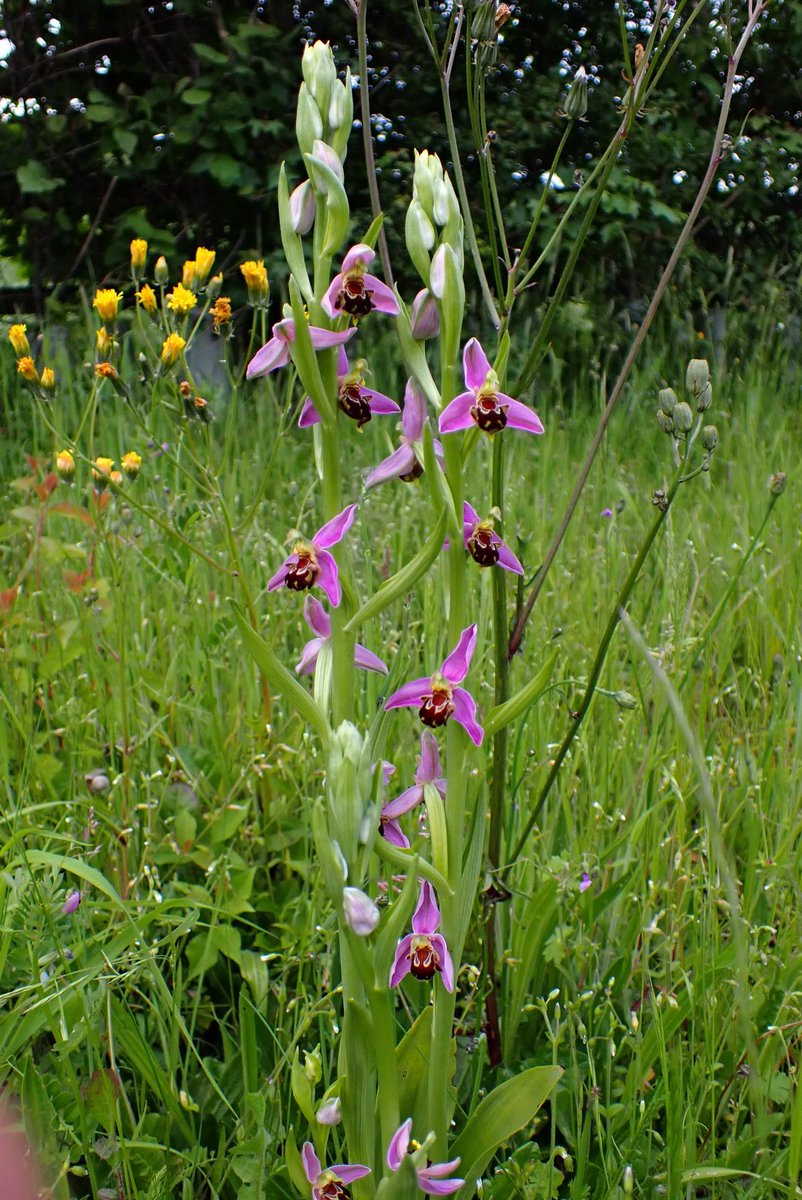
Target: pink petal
x=368, y=661
x=465, y=714
x=343, y=365
x=438, y=1170
x=409, y=799
x=438, y=450
x=399, y=1144
x=411, y=695
x=429, y=761
x=469, y=515
x=309, y=415
x=426, y=916
x=446, y=965
x=521, y=417
x=392, y=832
x=335, y=530
x=382, y=298
x=316, y=617
x=346, y=1174
x=360, y=255
x=400, y=462
x=334, y=289
x=329, y=578
x=475, y=365
x=275, y=353
x=309, y=657
x=388, y=770
x=457, y=414
x=413, y=417
x=433, y=1187
x=455, y=668
x=380, y=404
x=401, y=963
x=424, y=319
x=311, y=1162
x=324, y=339
x=507, y=559
x=277, y=580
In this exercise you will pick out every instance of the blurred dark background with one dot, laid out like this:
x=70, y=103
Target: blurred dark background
x=168, y=120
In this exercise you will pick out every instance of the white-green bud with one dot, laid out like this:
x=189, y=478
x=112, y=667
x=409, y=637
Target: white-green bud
x=349, y=786
x=777, y=483
x=302, y=207
x=320, y=73
x=341, y=115
x=625, y=700
x=360, y=913
x=308, y=121
x=682, y=417
x=313, y=1069
x=697, y=376
x=629, y=1180
x=428, y=172
x=667, y=398
x=329, y=158
x=704, y=399
x=576, y=99
x=710, y=438
x=446, y=205
x=483, y=24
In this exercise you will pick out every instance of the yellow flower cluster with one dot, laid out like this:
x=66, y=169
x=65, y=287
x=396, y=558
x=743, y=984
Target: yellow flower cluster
x=181, y=300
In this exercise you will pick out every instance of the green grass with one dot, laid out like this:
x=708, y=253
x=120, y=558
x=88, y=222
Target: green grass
x=151, y=1035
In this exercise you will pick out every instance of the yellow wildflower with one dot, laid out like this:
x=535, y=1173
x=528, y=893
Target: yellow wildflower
x=101, y=472
x=147, y=298
x=65, y=464
x=104, y=343
x=181, y=300
x=160, y=271
x=105, y=370
x=139, y=252
x=203, y=263
x=27, y=369
x=49, y=379
x=220, y=312
x=131, y=462
x=16, y=335
x=188, y=274
x=171, y=349
x=107, y=303
x=255, y=277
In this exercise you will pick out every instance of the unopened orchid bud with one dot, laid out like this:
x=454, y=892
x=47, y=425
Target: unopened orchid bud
x=682, y=416
x=438, y=272
x=777, y=483
x=446, y=205
x=341, y=116
x=330, y=1112
x=308, y=121
x=360, y=913
x=320, y=73
x=667, y=398
x=428, y=171
x=313, y=1068
x=629, y=1180
x=424, y=318
x=710, y=438
x=576, y=100
x=324, y=152
x=420, y=238
x=349, y=779
x=302, y=207
x=697, y=376
x=665, y=421
x=338, y=107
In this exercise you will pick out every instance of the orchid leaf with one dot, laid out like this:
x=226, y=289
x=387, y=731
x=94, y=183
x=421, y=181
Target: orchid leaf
x=280, y=678
x=290, y=240
x=507, y=1110
x=404, y=580
x=523, y=699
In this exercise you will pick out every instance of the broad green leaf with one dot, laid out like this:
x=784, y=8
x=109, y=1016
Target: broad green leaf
x=196, y=96
x=502, y=1114
x=305, y=358
x=404, y=580
x=295, y=1167
x=523, y=699
x=90, y=875
x=40, y=1122
x=412, y=1056
x=281, y=679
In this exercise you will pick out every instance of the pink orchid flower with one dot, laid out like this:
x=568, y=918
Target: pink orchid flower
x=404, y=463
x=423, y=953
x=329, y=1183
x=310, y=562
x=354, y=292
x=484, y=405
x=483, y=543
x=357, y=402
x=276, y=352
x=430, y=1177
x=426, y=775
x=319, y=622
x=438, y=698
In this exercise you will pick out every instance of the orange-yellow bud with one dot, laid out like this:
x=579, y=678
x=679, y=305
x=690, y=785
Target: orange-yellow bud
x=255, y=277
x=147, y=298
x=27, y=369
x=188, y=273
x=104, y=343
x=65, y=464
x=203, y=264
x=171, y=349
x=131, y=462
x=101, y=472
x=16, y=335
x=160, y=272
x=139, y=252
x=107, y=303
x=48, y=379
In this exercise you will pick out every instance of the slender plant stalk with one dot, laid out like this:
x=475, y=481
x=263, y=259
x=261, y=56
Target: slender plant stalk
x=367, y=134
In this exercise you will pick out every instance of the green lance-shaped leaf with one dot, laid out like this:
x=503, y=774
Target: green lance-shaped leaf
x=405, y=579
x=501, y=1115
x=305, y=358
x=338, y=213
x=90, y=875
x=517, y=704
x=406, y=861
x=374, y=229
x=290, y=240
x=412, y=1056
x=435, y=477
x=267, y=661
x=415, y=356
x=358, y=1094
x=295, y=1168
x=332, y=865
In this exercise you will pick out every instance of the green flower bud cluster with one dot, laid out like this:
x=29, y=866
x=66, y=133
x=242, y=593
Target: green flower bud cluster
x=433, y=217
x=675, y=416
x=350, y=786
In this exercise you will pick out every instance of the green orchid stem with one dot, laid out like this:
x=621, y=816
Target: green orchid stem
x=367, y=135
x=615, y=616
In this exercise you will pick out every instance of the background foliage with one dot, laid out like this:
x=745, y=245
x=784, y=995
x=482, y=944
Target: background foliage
x=168, y=120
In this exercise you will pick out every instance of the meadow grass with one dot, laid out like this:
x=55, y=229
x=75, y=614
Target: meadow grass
x=150, y=1035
